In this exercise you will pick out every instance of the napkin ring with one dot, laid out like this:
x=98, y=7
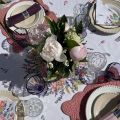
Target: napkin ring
x=26, y=14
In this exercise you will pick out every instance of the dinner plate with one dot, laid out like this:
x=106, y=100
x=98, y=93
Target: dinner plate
x=103, y=28
x=33, y=20
x=102, y=99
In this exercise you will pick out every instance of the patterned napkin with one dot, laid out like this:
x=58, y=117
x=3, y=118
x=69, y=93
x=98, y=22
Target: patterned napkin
x=75, y=108
x=7, y=110
x=24, y=15
x=107, y=14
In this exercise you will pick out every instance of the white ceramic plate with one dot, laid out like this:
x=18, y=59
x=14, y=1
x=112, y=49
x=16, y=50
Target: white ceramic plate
x=92, y=110
x=33, y=20
x=102, y=28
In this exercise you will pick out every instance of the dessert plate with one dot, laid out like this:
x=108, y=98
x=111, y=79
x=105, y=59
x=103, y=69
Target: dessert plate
x=33, y=20
x=102, y=101
x=105, y=28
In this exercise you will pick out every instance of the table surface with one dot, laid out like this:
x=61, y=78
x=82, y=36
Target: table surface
x=11, y=69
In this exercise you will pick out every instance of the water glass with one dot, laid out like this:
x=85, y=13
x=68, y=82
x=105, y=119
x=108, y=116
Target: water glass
x=33, y=107
x=37, y=34
x=79, y=9
x=35, y=85
x=112, y=71
x=80, y=14
x=96, y=61
x=19, y=91
x=87, y=76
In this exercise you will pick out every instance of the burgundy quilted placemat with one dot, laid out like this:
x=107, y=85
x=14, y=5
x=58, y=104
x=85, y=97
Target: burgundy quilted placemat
x=4, y=10
x=75, y=108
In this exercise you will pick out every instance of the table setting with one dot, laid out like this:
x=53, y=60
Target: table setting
x=59, y=59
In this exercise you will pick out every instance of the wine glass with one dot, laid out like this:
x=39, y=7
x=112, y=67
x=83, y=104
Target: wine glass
x=17, y=40
x=37, y=34
x=6, y=46
x=19, y=91
x=85, y=75
x=80, y=15
x=96, y=62
x=112, y=71
x=35, y=85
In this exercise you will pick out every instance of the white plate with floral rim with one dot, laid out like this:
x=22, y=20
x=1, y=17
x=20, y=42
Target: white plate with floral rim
x=101, y=101
x=33, y=20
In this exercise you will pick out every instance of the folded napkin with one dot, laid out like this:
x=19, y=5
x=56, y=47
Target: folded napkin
x=12, y=20
x=112, y=115
x=107, y=14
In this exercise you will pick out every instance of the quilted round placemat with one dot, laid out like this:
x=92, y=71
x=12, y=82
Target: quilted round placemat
x=75, y=108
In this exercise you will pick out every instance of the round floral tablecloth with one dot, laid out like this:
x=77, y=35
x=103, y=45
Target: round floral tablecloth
x=61, y=91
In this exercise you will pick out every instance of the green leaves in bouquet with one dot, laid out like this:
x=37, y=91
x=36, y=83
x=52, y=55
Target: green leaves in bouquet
x=71, y=43
x=39, y=47
x=58, y=28
x=61, y=29
x=61, y=71
x=52, y=25
x=78, y=27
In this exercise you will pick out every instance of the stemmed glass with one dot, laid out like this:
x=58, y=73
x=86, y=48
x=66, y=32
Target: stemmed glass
x=80, y=12
x=96, y=62
x=19, y=91
x=37, y=34
x=33, y=107
x=35, y=85
x=112, y=71
x=17, y=40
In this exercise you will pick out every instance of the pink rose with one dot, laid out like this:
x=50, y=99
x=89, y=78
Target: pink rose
x=78, y=53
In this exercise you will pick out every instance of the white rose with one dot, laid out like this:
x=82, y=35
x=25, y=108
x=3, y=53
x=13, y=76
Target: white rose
x=52, y=50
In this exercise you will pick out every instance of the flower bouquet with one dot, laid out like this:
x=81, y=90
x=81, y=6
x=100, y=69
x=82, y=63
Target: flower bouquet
x=57, y=51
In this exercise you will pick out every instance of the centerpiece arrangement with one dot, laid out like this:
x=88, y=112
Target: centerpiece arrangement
x=57, y=51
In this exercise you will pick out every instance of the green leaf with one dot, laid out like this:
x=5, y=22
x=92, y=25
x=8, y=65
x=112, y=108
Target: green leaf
x=78, y=27
x=53, y=26
x=40, y=47
x=61, y=23
x=71, y=44
x=63, y=19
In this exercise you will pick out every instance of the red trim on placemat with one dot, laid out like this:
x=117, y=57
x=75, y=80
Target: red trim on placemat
x=17, y=48
x=75, y=108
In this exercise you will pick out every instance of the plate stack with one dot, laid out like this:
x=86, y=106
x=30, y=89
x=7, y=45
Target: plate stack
x=105, y=16
x=94, y=102
x=24, y=14
x=102, y=101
